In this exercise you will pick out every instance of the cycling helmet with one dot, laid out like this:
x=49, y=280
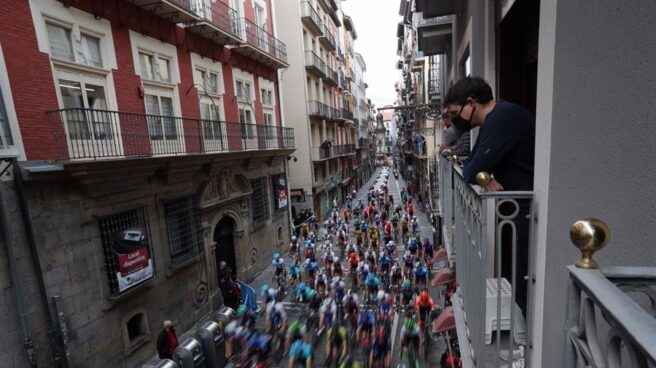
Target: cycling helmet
x=424, y=295
x=276, y=255
x=294, y=238
x=380, y=295
x=407, y=283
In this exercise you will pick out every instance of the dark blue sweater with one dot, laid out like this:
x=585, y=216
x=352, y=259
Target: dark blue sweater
x=505, y=147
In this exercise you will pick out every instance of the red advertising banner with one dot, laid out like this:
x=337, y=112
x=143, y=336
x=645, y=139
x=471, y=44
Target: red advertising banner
x=134, y=261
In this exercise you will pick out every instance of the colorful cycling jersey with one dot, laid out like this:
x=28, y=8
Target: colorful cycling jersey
x=385, y=261
x=421, y=271
x=372, y=281
x=278, y=263
x=300, y=351
x=367, y=319
x=337, y=337
x=294, y=271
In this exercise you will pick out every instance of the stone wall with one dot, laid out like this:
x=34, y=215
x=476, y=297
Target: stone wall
x=64, y=215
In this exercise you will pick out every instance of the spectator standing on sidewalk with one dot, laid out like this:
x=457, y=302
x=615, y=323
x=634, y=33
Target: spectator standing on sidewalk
x=167, y=341
x=505, y=148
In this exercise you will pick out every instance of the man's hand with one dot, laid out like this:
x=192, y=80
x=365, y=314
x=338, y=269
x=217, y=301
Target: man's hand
x=443, y=146
x=493, y=186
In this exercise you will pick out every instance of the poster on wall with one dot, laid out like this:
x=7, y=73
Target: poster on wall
x=280, y=191
x=132, y=252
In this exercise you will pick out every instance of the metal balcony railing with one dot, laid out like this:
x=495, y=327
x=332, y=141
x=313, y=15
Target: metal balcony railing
x=314, y=63
x=347, y=115
x=319, y=109
x=220, y=15
x=331, y=76
x=626, y=334
x=328, y=39
x=487, y=233
x=322, y=153
x=311, y=18
x=263, y=40
x=349, y=148
x=96, y=134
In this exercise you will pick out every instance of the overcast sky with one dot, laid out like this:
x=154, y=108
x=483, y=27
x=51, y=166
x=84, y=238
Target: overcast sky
x=375, y=23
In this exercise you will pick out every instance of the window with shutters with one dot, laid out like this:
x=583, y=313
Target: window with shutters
x=260, y=200
x=183, y=228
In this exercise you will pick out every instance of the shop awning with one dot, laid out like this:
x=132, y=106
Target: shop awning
x=443, y=277
x=445, y=321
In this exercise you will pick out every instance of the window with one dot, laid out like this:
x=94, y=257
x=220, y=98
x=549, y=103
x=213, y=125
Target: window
x=61, y=46
x=260, y=200
x=209, y=80
x=125, y=238
x=154, y=67
x=161, y=123
x=266, y=97
x=91, y=50
x=136, y=330
x=183, y=228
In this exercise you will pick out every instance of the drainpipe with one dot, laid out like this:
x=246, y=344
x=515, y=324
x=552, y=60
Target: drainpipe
x=28, y=343
x=36, y=263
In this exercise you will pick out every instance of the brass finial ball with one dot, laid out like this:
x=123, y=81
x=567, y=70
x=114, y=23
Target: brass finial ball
x=483, y=178
x=589, y=235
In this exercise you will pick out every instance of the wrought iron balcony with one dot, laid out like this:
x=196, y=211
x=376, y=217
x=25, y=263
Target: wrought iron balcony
x=314, y=64
x=262, y=46
x=177, y=11
x=331, y=77
x=486, y=234
x=319, y=109
x=322, y=153
x=349, y=148
x=218, y=22
x=327, y=39
x=347, y=115
x=89, y=134
x=311, y=18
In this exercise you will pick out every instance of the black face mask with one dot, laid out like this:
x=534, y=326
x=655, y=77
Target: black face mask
x=461, y=124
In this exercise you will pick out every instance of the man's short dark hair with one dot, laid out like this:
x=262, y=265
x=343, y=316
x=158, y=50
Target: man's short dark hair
x=474, y=87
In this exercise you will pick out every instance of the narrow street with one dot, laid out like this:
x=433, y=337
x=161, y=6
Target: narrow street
x=296, y=311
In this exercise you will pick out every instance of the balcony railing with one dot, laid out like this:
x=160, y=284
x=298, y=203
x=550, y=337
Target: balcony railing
x=178, y=11
x=219, y=15
x=322, y=153
x=315, y=64
x=264, y=41
x=349, y=148
x=316, y=108
x=311, y=18
x=347, y=115
x=626, y=335
x=91, y=134
x=488, y=233
x=328, y=39
x=331, y=76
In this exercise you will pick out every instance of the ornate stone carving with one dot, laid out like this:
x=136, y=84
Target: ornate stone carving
x=223, y=187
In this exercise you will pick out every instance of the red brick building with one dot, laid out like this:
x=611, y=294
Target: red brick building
x=150, y=147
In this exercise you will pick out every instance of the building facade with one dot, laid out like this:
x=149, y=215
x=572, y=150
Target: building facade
x=148, y=147
x=322, y=74
x=526, y=51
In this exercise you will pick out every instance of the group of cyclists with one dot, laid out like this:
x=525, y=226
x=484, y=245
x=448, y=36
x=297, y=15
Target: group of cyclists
x=350, y=276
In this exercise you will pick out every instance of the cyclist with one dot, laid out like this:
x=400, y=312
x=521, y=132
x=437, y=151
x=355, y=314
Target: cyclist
x=294, y=272
x=421, y=275
x=300, y=353
x=410, y=339
x=363, y=270
x=424, y=305
x=385, y=306
x=372, y=283
x=351, y=304
x=336, y=348
x=311, y=267
x=293, y=245
x=407, y=293
x=381, y=349
x=339, y=288
x=278, y=265
x=295, y=332
x=328, y=257
x=408, y=261
x=411, y=208
x=366, y=323
x=404, y=227
x=427, y=249
x=354, y=261
x=258, y=348
x=390, y=248
x=277, y=319
x=413, y=246
x=397, y=274
x=327, y=313
x=337, y=268
x=321, y=281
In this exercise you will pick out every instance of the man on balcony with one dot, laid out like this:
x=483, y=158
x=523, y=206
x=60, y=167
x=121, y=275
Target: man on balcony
x=505, y=148
x=506, y=142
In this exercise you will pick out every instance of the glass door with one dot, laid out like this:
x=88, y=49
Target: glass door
x=248, y=134
x=261, y=28
x=165, y=130
x=214, y=130
x=203, y=8
x=236, y=23
x=91, y=130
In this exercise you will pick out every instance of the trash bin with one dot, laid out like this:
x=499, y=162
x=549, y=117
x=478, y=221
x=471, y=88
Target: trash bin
x=189, y=354
x=213, y=344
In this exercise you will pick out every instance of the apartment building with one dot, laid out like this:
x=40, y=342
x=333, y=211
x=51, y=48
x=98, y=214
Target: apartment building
x=319, y=40
x=142, y=146
x=551, y=57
